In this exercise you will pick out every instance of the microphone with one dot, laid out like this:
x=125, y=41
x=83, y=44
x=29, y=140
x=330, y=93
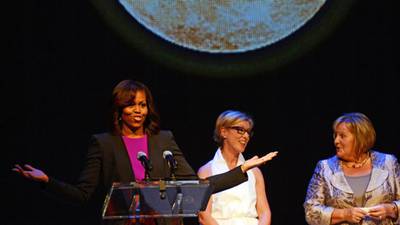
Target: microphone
x=170, y=159
x=142, y=157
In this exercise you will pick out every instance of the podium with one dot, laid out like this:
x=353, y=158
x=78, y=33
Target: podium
x=156, y=199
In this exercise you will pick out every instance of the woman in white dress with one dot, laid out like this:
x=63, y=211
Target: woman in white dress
x=245, y=204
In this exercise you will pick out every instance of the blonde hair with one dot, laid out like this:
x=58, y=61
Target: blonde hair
x=227, y=119
x=362, y=129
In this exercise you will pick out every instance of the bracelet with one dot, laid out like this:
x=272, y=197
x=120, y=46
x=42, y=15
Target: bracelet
x=395, y=209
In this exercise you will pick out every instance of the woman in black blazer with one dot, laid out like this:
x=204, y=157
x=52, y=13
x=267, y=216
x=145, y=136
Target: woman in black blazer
x=111, y=159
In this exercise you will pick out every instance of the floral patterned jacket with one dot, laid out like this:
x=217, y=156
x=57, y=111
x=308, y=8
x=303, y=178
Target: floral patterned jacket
x=328, y=189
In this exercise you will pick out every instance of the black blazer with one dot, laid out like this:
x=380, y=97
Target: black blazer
x=107, y=161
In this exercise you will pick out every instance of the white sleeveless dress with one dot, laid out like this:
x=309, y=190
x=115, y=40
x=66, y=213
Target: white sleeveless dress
x=237, y=205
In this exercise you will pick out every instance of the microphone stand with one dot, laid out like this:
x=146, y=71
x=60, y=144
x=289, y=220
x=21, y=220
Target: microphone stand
x=172, y=170
x=177, y=206
x=163, y=189
x=147, y=169
x=146, y=175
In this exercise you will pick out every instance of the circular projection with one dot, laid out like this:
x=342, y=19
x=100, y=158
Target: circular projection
x=222, y=26
x=215, y=54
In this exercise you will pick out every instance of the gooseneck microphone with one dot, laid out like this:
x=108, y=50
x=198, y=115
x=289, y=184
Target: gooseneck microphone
x=142, y=157
x=170, y=159
x=171, y=163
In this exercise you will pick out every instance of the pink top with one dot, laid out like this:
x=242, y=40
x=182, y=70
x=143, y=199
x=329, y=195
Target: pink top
x=133, y=146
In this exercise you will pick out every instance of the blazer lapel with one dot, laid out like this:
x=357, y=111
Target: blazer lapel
x=338, y=179
x=122, y=161
x=155, y=155
x=378, y=174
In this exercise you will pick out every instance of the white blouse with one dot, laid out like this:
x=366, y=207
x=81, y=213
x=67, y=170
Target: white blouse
x=236, y=205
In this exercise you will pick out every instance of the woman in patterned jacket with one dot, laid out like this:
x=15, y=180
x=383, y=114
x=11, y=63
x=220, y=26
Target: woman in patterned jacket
x=357, y=185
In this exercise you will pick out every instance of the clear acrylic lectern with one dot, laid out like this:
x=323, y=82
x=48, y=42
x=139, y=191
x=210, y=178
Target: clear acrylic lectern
x=156, y=199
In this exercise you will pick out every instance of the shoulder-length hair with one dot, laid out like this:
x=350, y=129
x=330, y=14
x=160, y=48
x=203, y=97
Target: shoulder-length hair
x=227, y=119
x=123, y=95
x=362, y=129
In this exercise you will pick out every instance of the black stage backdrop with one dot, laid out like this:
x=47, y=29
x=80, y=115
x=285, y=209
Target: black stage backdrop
x=65, y=60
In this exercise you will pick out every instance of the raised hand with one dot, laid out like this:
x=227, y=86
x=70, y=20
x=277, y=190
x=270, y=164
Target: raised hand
x=31, y=173
x=256, y=161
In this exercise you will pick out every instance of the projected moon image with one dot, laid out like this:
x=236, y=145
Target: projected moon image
x=222, y=26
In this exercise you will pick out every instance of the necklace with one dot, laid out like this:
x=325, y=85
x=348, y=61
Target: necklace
x=355, y=165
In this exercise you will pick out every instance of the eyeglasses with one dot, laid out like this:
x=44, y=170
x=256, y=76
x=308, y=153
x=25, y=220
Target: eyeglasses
x=241, y=130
